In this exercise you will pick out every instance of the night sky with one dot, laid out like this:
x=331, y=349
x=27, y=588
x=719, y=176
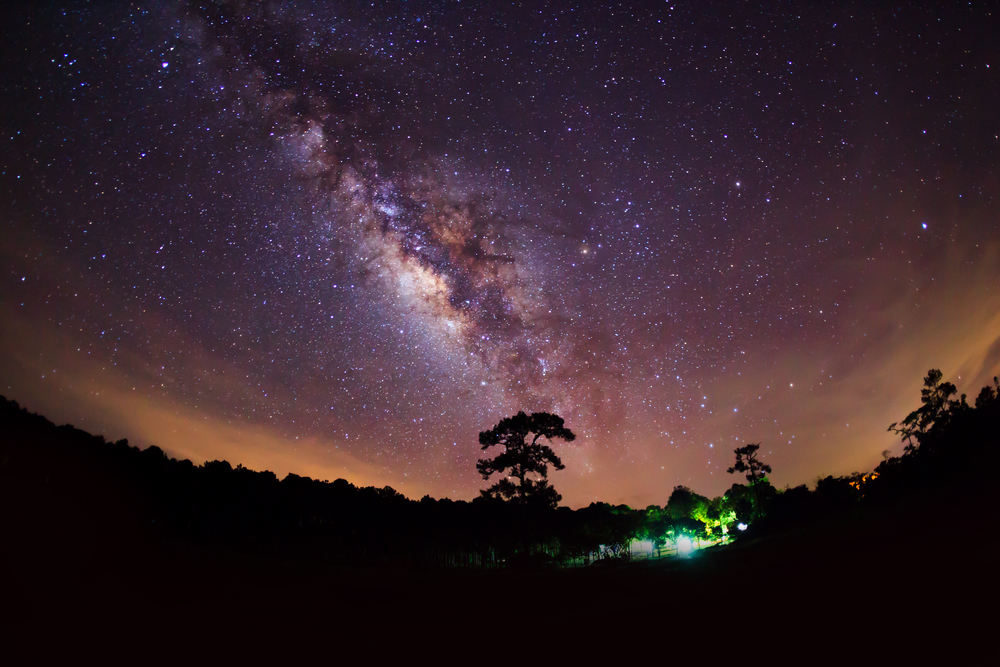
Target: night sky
x=341, y=238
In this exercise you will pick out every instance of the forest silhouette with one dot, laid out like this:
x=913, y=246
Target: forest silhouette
x=90, y=524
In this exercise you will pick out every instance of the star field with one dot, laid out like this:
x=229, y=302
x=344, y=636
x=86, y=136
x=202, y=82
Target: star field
x=341, y=239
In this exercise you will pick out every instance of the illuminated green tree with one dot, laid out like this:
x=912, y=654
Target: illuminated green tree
x=686, y=504
x=524, y=461
x=719, y=515
x=654, y=527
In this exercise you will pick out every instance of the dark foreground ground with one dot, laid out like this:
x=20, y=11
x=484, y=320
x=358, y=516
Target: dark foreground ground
x=890, y=588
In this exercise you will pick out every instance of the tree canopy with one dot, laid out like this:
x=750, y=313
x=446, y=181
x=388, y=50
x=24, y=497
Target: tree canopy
x=523, y=458
x=936, y=405
x=747, y=462
x=755, y=470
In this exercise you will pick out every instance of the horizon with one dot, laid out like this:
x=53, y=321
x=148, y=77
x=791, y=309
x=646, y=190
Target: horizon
x=341, y=243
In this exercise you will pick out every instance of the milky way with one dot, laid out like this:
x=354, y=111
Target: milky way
x=444, y=251
x=342, y=239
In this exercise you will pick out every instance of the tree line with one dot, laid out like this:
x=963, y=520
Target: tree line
x=46, y=470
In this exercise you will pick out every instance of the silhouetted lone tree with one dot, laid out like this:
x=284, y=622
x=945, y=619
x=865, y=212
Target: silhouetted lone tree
x=524, y=459
x=934, y=397
x=747, y=462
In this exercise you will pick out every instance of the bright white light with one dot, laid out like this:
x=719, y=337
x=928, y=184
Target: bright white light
x=741, y=526
x=684, y=546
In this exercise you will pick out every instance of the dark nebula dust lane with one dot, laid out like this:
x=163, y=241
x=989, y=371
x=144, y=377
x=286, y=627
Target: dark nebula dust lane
x=341, y=239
